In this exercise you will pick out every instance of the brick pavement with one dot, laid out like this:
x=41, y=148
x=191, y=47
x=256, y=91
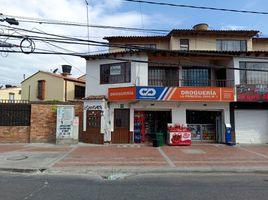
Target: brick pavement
x=214, y=157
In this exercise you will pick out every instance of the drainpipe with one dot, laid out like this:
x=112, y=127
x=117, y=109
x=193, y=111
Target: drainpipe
x=65, y=95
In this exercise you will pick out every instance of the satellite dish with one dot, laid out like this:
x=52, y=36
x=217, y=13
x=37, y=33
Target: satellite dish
x=55, y=70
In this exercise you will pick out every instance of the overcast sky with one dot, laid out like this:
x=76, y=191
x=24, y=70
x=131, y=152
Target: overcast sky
x=113, y=13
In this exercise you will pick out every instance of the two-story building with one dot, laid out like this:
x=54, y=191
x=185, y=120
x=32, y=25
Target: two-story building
x=47, y=86
x=188, y=76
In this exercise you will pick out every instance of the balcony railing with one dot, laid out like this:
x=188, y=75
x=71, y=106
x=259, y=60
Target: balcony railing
x=191, y=83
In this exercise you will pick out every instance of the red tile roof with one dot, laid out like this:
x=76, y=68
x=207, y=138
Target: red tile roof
x=58, y=76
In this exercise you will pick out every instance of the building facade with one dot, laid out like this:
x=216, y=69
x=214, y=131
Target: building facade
x=10, y=93
x=46, y=86
x=188, y=77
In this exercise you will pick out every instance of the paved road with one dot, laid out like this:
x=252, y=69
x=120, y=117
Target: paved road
x=171, y=186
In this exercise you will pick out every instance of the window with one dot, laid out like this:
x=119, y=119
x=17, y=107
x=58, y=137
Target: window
x=253, y=77
x=168, y=76
x=231, y=45
x=147, y=46
x=41, y=90
x=196, y=77
x=11, y=96
x=79, y=92
x=115, y=73
x=184, y=44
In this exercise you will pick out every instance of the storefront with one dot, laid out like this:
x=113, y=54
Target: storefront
x=148, y=123
x=249, y=116
x=204, y=110
x=205, y=125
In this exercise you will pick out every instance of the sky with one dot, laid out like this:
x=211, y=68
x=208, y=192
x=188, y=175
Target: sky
x=14, y=67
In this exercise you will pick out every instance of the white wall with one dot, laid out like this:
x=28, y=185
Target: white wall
x=139, y=74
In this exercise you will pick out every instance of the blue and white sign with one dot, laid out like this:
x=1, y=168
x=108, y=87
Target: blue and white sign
x=152, y=93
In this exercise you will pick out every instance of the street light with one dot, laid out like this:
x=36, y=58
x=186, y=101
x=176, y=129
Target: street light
x=10, y=20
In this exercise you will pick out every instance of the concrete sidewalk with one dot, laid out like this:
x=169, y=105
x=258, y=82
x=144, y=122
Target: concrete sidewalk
x=83, y=158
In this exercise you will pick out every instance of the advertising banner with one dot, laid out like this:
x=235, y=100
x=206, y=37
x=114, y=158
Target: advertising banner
x=185, y=94
x=124, y=93
x=252, y=92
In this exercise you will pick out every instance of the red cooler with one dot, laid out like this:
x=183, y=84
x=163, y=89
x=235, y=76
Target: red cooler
x=179, y=135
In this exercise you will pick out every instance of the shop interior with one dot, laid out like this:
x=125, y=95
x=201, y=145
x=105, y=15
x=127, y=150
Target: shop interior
x=205, y=125
x=148, y=123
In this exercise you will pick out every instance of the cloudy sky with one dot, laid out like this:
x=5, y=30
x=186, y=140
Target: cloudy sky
x=113, y=13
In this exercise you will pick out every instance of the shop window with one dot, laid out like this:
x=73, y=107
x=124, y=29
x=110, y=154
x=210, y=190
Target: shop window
x=41, y=90
x=79, y=92
x=163, y=76
x=231, y=45
x=253, y=77
x=196, y=77
x=115, y=73
x=184, y=44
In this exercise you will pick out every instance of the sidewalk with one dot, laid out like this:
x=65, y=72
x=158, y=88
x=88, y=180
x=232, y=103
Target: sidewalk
x=83, y=158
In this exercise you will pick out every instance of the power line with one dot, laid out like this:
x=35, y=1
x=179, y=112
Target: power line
x=68, y=23
x=199, y=7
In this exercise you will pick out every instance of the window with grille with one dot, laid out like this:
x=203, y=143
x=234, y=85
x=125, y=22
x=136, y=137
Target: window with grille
x=168, y=76
x=253, y=77
x=196, y=77
x=115, y=73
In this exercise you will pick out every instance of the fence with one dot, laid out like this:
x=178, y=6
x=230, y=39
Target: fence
x=15, y=114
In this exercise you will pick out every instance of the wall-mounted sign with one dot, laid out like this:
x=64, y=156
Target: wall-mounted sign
x=65, y=117
x=115, y=70
x=251, y=92
x=185, y=93
x=126, y=93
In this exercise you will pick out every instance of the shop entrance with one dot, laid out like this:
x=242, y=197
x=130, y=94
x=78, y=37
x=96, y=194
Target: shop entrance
x=205, y=125
x=148, y=123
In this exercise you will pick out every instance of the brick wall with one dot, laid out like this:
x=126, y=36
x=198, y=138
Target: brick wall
x=44, y=122
x=14, y=134
x=43, y=125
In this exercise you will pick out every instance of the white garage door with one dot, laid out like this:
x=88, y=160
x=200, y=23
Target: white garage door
x=251, y=126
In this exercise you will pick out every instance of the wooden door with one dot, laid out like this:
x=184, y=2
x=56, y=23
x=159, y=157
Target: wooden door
x=121, y=126
x=92, y=133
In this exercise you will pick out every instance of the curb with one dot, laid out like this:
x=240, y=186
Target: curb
x=21, y=170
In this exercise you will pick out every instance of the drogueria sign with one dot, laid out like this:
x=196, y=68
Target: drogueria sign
x=172, y=94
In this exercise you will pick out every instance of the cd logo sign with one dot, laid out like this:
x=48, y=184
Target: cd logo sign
x=147, y=92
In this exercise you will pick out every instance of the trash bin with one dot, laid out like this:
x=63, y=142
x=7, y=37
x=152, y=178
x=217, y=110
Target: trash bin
x=160, y=138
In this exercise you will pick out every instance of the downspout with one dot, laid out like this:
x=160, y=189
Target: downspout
x=65, y=95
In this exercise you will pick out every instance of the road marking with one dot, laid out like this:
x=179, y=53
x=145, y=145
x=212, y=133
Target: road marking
x=256, y=153
x=167, y=159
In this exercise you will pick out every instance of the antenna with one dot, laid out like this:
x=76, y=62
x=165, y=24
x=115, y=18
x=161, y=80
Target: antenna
x=55, y=70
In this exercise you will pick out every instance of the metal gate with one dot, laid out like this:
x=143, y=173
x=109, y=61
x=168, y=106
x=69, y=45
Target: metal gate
x=121, y=126
x=93, y=127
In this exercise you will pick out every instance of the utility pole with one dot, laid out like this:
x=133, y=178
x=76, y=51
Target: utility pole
x=88, y=47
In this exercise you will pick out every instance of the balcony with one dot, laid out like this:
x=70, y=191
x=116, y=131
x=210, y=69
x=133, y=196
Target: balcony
x=191, y=83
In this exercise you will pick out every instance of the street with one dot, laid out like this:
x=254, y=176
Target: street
x=143, y=186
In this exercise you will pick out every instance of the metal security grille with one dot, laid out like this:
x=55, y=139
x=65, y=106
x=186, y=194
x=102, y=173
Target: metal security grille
x=15, y=114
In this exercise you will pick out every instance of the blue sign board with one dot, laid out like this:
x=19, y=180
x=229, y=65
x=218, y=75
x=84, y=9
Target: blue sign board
x=152, y=93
